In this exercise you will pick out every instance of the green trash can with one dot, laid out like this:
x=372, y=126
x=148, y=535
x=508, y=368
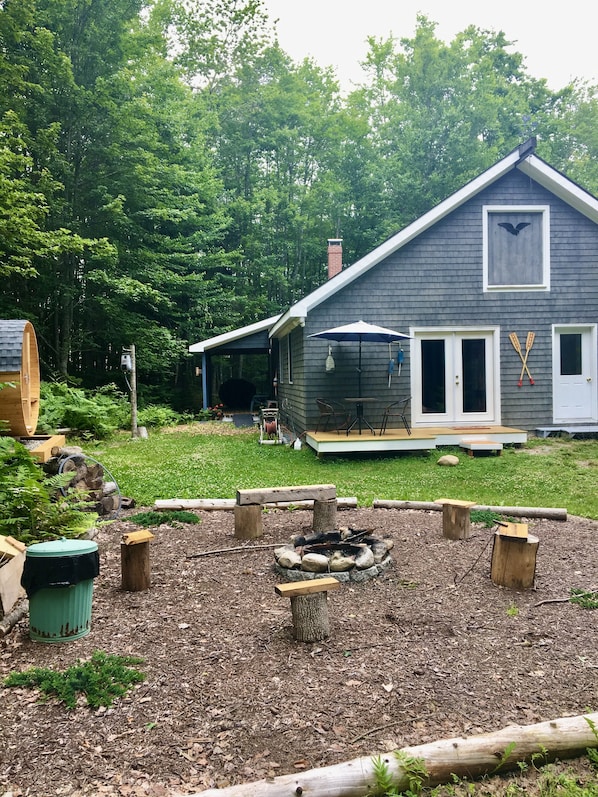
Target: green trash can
x=58, y=579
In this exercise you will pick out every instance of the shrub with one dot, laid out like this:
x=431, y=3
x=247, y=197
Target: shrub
x=157, y=416
x=102, y=679
x=32, y=507
x=96, y=414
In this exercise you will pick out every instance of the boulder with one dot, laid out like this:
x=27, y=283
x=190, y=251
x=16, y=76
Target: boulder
x=315, y=563
x=448, y=459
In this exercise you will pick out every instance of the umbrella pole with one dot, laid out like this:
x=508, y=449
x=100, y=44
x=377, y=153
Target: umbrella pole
x=359, y=372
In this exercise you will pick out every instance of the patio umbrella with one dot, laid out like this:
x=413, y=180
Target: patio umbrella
x=360, y=331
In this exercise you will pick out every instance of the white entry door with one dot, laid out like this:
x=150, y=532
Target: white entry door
x=574, y=374
x=455, y=377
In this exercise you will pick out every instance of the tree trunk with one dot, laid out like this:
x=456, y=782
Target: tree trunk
x=566, y=737
x=310, y=617
x=324, y=518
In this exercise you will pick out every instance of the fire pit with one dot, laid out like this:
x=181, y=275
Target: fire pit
x=348, y=554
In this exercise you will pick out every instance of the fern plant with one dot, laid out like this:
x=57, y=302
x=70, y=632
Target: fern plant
x=34, y=507
x=413, y=769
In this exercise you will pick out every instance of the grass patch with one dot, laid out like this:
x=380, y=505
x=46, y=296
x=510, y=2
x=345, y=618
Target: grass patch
x=101, y=679
x=585, y=599
x=182, y=463
x=172, y=517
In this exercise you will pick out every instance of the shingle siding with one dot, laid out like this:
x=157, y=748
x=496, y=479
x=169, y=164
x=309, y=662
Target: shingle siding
x=436, y=280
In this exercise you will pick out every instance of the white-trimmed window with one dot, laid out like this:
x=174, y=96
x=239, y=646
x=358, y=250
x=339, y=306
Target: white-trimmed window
x=516, y=247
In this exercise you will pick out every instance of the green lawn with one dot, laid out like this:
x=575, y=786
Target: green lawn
x=181, y=463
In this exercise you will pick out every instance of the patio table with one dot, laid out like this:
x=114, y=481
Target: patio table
x=360, y=420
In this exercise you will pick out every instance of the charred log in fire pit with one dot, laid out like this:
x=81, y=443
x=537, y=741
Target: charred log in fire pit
x=350, y=555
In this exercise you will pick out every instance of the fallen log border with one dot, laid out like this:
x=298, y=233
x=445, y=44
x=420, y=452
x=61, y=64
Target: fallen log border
x=550, y=513
x=488, y=753
x=8, y=622
x=228, y=504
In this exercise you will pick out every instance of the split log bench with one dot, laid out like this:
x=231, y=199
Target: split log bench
x=309, y=606
x=249, y=505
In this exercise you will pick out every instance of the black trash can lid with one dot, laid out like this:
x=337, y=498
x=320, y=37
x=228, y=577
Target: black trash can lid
x=60, y=548
x=59, y=563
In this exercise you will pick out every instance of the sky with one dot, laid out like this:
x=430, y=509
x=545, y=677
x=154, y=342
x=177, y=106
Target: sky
x=559, y=41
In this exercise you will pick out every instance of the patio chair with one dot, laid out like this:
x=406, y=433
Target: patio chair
x=396, y=410
x=332, y=413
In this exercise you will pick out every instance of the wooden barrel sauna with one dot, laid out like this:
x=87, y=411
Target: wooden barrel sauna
x=19, y=365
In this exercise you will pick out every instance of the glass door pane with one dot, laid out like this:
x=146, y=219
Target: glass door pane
x=571, y=364
x=433, y=368
x=473, y=354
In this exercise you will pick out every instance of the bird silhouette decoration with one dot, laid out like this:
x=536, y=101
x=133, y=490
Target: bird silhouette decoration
x=511, y=228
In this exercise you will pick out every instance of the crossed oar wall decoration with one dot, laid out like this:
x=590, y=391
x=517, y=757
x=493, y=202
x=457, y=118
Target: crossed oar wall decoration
x=529, y=342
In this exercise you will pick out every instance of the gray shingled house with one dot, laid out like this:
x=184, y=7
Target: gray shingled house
x=504, y=269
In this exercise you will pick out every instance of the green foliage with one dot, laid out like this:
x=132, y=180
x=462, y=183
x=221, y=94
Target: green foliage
x=172, y=517
x=412, y=769
x=154, y=415
x=485, y=517
x=383, y=777
x=33, y=508
x=88, y=414
x=102, y=679
x=587, y=599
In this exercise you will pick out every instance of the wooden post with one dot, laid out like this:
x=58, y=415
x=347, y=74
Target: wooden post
x=456, y=522
x=514, y=556
x=135, y=561
x=324, y=518
x=248, y=522
x=309, y=607
x=133, y=392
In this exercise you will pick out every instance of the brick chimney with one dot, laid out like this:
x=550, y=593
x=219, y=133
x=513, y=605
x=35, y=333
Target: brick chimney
x=335, y=257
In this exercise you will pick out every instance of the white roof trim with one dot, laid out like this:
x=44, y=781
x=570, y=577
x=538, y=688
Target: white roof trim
x=531, y=165
x=561, y=186
x=235, y=334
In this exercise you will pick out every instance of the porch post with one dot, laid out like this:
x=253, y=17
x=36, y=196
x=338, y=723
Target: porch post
x=204, y=381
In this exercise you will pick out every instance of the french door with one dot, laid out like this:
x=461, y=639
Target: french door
x=574, y=374
x=455, y=377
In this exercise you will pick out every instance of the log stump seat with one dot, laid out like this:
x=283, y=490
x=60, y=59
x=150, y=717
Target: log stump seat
x=309, y=606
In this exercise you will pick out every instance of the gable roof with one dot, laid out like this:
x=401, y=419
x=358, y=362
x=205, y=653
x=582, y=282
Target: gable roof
x=236, y=334
x=522, y=158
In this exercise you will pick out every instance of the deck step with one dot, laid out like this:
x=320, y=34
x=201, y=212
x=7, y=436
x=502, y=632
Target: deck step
x=473, y=445
x=546, y=431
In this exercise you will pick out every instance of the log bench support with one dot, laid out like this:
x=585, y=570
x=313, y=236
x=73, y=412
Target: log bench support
x=309, y=607
x=135, y=561
x=514, y=556
x=249, y=505
x=456, y=520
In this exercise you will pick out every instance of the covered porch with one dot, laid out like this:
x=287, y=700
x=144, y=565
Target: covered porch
x=421, y=439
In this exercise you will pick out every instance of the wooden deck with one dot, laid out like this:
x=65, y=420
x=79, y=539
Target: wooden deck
x=419, y=439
